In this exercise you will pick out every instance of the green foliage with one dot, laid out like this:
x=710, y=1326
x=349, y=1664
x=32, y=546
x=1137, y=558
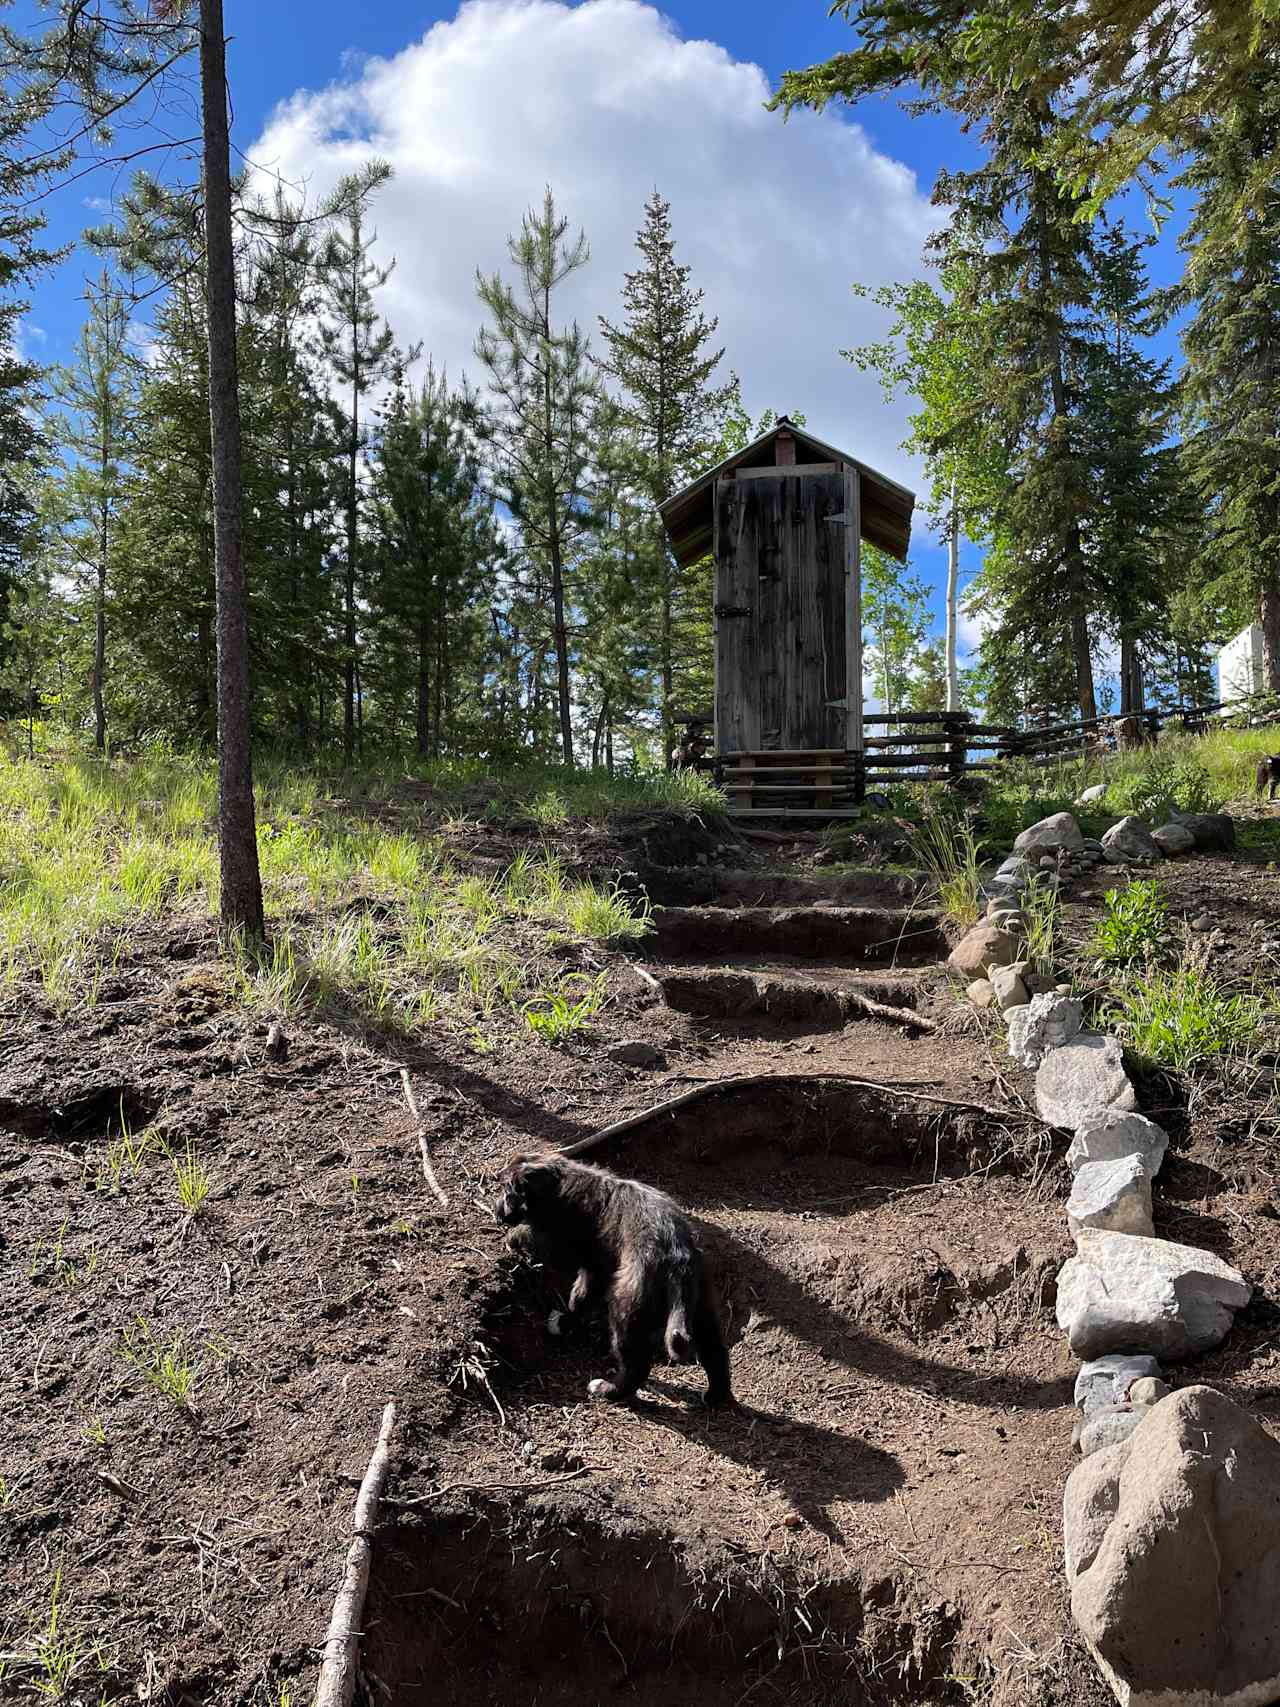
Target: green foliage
x=1167, y=780
x=163, y=1365
x=1040, y=907
x=948, y=853
x=1185, y=1018
x=1134, y=924
x=554, y=1015
x=192, y=1180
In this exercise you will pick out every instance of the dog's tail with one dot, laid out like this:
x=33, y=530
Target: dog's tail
x=679, y=1339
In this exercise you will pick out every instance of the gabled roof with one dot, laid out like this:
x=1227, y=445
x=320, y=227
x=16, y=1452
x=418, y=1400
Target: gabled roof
x=886, y=506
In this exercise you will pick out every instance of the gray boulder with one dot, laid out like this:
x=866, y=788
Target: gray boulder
x=1016, y=867
x=1107, y=1427
x=1114, y=1133
x=1215, y=832
x=1124, y=1293
x=1172, y=1541
x=981, y=948
x=1112, y=1195
x=980, y=993
x=1130, y=843
x=1082, y=1079
x=1173, y=839
x=1107, y=1380
x=1050, y=834
x=1010, y=992
x=1046, y=1023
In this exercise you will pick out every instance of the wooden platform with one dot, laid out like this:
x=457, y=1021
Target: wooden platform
x=817, y=781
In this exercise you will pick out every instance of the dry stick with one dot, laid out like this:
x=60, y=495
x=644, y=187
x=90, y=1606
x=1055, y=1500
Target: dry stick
x=428, y=1172
x=708, y=1086
x=881, y=1010
x=342, y=1644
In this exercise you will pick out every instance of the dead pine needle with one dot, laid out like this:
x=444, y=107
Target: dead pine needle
x=428, y=1172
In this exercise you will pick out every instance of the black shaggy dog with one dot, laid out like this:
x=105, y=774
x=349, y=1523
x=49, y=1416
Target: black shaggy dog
x=631, y=1242
x=1268, y=774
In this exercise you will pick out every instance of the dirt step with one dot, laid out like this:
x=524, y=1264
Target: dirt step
x=716, y=993
x=705, y=886
x=855, y=936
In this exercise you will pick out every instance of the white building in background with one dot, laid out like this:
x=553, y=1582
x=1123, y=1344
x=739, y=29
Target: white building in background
x=1240, y=665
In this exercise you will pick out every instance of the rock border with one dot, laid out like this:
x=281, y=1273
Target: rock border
x=1127, y=1299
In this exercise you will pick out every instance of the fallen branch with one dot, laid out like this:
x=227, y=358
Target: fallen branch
x=342, y=1644
x=428, y=1172
x=859, y=1004
x=708, y=1086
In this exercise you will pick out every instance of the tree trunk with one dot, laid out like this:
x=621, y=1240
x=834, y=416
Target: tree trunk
x=422, y=721
x=953, y=599
x=1269, y=620
x=562, y=656
x=100, y=641
x=237, y=835
x=668, y=727
x=349, y=602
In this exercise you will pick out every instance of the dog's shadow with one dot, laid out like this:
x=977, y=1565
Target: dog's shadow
x=816, y=1467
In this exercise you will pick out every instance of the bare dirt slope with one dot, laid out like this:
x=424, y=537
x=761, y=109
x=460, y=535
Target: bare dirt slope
x=878, y=1521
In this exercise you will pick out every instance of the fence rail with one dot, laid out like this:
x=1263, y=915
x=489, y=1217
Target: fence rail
x=937, y=746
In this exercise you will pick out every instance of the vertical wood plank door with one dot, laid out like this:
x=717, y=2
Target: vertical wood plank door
x=780, y=611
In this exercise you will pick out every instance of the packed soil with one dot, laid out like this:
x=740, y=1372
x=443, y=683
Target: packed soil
x=877, y=1520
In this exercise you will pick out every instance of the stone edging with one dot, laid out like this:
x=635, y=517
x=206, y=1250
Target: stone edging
x=1127, y=1299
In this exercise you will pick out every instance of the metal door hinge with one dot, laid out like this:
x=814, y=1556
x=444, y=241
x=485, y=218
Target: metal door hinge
x=733, y=610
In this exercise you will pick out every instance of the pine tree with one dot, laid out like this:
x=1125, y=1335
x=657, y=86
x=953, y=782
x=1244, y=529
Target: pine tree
x=661, y=363
x=546, y=395
x=1231, y=344
x=98, y=397
x=436, y=543
x=358, y=350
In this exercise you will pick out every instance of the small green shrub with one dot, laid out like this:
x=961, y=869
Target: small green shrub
x=1133, y=926
x=948, y=852
x=192, y=1178
x=1040, y=910
x=554, y=1016
x=1167, y=780
x=1182, y=1017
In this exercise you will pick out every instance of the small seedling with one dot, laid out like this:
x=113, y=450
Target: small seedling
x=94, y=1432
x=125, y=1155
x=553, y=1017
x=64, y=1269
x=6, y=1495
x=164, y=1367
x=193, y=1180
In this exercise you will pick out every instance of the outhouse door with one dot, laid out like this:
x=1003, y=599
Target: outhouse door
x=782, y=607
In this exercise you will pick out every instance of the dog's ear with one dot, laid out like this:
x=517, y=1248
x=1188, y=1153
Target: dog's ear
x=537, y=1176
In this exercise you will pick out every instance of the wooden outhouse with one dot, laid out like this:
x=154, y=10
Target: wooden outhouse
x=784, y=520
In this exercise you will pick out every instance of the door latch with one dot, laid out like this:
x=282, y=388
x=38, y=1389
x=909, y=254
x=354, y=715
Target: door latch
x=733, y=610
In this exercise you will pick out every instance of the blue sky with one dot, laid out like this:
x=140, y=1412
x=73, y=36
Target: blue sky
x=602, y=98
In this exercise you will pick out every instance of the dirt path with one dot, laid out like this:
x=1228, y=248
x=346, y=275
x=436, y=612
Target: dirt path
x=879, y=1521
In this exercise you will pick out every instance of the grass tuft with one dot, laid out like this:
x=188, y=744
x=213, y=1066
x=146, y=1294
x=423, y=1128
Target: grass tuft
x=1183, y=1017
x=948, y=851
x=164, y=1366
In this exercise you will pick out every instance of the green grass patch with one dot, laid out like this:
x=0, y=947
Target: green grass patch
x=1134, y=926
x=948, y=853
x=1183, y=1017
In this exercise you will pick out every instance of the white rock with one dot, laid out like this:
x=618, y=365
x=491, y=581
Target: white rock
x=1116, y=1133
x=1107, y=1380
x=1090, y=795
x=1131, y=842
x=1050, y=834
x=980, y=993
x=1124, y=1293
x=1046, y=1023
x=1114, y=1195
x=1172, y=1542
x=1080, y=1080
x=1173, y=839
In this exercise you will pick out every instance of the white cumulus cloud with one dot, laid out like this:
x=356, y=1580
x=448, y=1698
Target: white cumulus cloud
x=605, y=101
